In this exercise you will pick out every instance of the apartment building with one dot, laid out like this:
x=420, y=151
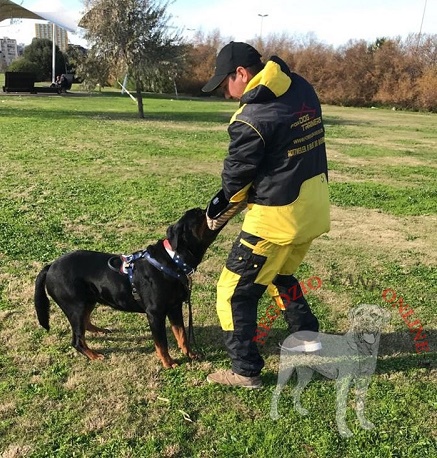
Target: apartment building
x=46, y=31
x=8, y=51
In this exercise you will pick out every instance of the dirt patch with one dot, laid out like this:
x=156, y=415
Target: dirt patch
x=381, y=235
x=360, y=243
x=382, y=232
x=378, y=161
x=16, y=451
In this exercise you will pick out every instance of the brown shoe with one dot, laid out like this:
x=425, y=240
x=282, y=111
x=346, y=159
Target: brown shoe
x=231, y=379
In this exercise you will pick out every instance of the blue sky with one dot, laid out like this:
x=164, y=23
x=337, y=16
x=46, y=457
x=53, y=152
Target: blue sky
x=331, y=21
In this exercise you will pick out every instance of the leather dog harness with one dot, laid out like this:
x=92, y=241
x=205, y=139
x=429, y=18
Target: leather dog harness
x=183, y=273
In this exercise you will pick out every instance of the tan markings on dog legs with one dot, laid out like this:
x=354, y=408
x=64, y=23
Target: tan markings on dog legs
x=90, y=354
x=165, y=358
x=181, y=338
x=91, y=328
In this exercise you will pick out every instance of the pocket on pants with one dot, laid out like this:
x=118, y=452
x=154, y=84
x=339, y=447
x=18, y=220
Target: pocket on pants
x=243, y=262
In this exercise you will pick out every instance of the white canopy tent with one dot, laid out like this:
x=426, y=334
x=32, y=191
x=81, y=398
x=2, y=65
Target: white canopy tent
x=11, y=10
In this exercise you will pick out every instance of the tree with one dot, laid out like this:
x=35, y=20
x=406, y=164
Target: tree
x=75, y=55
x=93, y=71
x=132, y=36
x=427, y=85
x=354, y=83
x=199, y=62
x=40, y=53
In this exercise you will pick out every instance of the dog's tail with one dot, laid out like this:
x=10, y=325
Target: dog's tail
x=42, y=303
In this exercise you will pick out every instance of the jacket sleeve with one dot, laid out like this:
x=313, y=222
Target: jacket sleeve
x=246, y=151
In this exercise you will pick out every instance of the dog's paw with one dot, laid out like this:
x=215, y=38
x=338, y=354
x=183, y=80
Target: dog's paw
x=301, y=410
x=93, y=355
x=96, y=330
x=194, y=356
x=274, y=415
x=345, y=431
x=170, y=363
x=366, y=424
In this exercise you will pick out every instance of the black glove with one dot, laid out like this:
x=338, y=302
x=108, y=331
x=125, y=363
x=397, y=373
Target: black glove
x=220, y=210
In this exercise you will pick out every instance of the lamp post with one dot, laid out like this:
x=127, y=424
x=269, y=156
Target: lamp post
x=423, y=17
x=421, y=24
x=262, y=16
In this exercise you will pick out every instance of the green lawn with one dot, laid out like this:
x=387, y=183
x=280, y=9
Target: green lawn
x=82, y=171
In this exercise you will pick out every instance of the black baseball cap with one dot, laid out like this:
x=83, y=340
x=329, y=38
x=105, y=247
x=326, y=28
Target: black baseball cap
x=234, y=54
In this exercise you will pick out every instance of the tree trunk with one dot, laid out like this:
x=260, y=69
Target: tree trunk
x=139, y=99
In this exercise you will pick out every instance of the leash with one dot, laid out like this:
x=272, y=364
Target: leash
x=191, y=338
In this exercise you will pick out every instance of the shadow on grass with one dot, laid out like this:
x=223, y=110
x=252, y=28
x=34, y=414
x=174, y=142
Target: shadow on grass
x=151, y=113
x=220, y=116
x=334, y=121
x=396, y=350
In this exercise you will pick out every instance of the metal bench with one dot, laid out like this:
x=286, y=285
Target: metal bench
x=19, y=82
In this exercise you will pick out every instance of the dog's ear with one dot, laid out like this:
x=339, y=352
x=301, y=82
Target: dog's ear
x=191, y=230
x=174, y=233
x=351, y=314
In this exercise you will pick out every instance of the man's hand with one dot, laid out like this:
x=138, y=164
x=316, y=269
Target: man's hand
x=220, y=211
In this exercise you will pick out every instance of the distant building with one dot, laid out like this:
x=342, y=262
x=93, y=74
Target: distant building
x=46, y=31
x=20, y=49
x=8, y=51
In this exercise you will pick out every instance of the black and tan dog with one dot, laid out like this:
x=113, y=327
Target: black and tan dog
x=79, y=280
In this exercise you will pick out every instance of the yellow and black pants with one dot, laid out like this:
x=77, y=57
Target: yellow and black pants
x=254, y=265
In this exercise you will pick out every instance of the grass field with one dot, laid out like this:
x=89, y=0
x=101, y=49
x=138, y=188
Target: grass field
x=82, y=171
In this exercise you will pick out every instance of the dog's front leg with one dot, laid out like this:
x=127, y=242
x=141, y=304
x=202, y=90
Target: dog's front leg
x=286, y=369
x=361, y=386
x=157, y=326
x=177, y=326
x=342, y=385
x=304, y=375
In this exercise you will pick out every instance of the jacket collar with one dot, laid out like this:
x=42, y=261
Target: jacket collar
x=270, y=83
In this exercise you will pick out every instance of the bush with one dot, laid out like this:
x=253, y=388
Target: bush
x=427, y=85
x=24, y=65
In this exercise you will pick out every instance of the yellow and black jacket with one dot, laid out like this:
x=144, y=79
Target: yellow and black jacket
x=277, y=158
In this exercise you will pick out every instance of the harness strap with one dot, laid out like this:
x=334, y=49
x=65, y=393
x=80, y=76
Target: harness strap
x=127, y=268
x=161, y=267
x=182, y=273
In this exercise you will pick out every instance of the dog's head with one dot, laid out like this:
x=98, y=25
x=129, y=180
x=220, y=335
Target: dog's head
x=368, y=320
x=190, y=236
